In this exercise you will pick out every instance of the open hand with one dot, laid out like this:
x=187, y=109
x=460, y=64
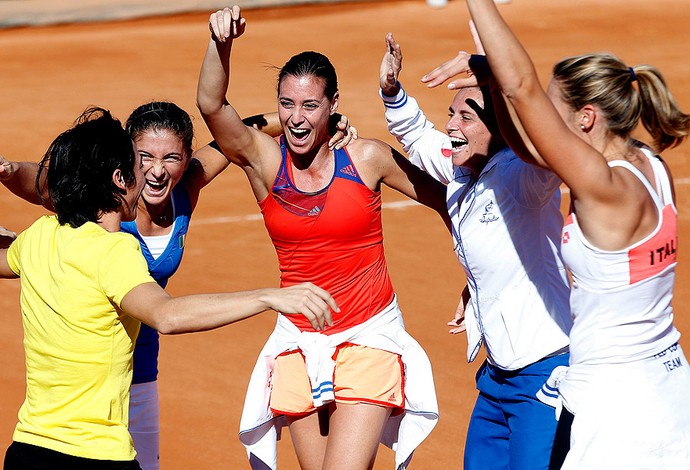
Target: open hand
x=391, y=65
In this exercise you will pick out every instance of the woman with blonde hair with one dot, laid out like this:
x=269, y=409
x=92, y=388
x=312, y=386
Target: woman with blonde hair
x=625, y=393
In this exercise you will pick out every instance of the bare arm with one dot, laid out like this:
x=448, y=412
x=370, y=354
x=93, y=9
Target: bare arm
x=20, y=178
x=556, y=143
x=6, y=237
x=397, y=172
x=241, y=144
x=5, y=271
x=150, y=304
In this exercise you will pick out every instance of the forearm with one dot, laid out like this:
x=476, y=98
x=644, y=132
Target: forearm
x=512, y=131
x=234, y=138
x=406, y=121
x=22, y=182
x=420, y=139
x=203, y=312
x=508, y=60
x=268, y=123
x=214, y=78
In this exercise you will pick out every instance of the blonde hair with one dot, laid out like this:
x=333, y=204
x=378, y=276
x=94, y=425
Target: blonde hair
x=625, y=95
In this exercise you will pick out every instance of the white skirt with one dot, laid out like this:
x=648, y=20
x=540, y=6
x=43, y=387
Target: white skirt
x=630, y=416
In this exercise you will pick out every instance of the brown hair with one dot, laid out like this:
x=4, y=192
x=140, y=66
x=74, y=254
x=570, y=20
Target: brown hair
x=625, y=95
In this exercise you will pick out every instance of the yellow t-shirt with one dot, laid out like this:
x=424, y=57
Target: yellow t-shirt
x=78, y=344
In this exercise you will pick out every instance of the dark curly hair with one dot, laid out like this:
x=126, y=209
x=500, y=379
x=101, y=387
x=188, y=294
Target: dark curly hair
x=80, y=164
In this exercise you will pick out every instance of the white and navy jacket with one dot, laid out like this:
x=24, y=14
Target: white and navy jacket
x=506, y=229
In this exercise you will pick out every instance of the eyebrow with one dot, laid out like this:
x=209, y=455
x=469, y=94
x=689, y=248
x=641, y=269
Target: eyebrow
x=166, y=155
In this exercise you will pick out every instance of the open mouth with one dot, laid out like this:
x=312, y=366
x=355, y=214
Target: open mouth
x=457, y=143
x=299, y=134
x=155, y=188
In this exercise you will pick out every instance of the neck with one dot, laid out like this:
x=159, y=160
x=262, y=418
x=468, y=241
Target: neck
x=617, y=148
x=110, y=221
x=160, y=214
x=312, y=161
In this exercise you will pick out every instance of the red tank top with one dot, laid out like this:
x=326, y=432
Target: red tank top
x=332, y=238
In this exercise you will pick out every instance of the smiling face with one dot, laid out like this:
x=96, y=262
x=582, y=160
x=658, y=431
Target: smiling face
x=304, y=112
x=164, y=161
x=470, y=137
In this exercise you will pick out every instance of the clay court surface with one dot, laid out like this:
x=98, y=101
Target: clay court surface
x=48, y=75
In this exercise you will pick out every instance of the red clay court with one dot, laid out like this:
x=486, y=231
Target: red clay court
x=49, y=74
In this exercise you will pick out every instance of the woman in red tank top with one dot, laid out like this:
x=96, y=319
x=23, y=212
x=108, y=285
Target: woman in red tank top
x=322, y=210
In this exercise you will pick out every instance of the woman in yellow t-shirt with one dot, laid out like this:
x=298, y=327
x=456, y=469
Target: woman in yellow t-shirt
x=85, y=290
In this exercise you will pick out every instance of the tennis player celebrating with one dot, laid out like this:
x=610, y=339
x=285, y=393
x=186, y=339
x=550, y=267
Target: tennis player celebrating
x=364, y=379
x=85, y=289
x=625, y=393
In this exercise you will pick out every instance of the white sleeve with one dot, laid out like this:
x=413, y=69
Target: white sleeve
x=428, y=148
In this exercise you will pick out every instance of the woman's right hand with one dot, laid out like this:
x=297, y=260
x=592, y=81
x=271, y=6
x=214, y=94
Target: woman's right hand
x=458, y=321
x=227, y=24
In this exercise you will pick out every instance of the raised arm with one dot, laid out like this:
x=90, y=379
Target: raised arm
x=209, y=161
x=518, y=81
x=406, y=121
x=150, y=304
x=241, y=144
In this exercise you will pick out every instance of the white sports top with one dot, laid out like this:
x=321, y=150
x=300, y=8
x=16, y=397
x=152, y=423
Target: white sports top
x=158, y=243
x=507, y=227
x=621, y=300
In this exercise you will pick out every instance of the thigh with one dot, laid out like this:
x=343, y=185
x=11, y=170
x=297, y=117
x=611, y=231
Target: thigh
x=488, y=435
x=561, y=443
x=533, y=428
x=532, y=423
x=291, y=393
x=354, y=435
x=144, y=424
x=309, y=434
